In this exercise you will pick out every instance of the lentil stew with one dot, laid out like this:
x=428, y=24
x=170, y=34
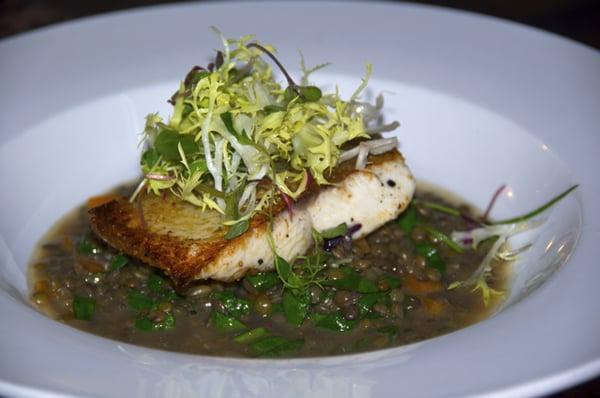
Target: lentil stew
x=388, y=289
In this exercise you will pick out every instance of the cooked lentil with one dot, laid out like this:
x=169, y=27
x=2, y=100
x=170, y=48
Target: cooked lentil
x=402, y=295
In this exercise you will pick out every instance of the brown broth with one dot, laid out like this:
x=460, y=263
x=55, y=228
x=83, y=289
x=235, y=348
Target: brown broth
x=136, y=297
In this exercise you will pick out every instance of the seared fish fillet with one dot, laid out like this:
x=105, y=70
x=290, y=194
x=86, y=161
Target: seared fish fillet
x=189, y=244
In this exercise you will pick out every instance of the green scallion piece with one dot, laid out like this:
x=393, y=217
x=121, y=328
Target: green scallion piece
x=83, y=307
x=537, y=211
x=250, y=335
x=444, y=238
x=441, y=208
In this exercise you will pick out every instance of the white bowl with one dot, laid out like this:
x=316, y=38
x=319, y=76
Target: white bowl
x=481, y=102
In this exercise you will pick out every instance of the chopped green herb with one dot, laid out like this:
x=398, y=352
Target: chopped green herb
x=83, y=307
x=144, y=324
x=352, y=281
x=431, y=255
x=295, y=307
x=234, y=305
x=408, y=219
x=156, y=283
x=335, y=322
x=118, y=262
x=226, y=323
x=274, y=345
x=139, y=301
x=250, y=335
x=263, y=280
x=87, y=248
x=286, y=347
x=444, y=238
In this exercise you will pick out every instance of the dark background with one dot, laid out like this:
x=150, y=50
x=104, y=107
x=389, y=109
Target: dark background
x=575, y=19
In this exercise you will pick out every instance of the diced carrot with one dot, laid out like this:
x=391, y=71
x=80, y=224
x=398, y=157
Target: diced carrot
x=96, y=201
x=415, y=286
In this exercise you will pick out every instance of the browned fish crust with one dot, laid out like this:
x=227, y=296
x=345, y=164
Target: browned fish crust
x=167, y=235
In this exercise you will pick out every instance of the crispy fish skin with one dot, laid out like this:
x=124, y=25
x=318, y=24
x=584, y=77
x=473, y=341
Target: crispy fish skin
x=189, y=244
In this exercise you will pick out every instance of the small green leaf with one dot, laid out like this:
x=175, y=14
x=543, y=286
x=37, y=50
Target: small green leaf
x=198, y=165
x=275, y=345
x=226, y=323
x=263, y=280
x=283, y=268
x=234, y=305
x=334, y=232
x=87, y=248
x=310, y=93
x=144, y=324
x=237, y=229
x=295, y=307
x=150, y=158
x=286, y=347
x=139, y=301
x=289, y=94
x=408, y=219
x=250, y=335
x=366, y=286
x=425, y=249
x=336, y=322
x=352, y=281
x=156, y=283
x=273, y=108
x=367, y=301
x=83, y=307
x=431, y=255
x=436, y=262
x=118, y=262
x=167, y=143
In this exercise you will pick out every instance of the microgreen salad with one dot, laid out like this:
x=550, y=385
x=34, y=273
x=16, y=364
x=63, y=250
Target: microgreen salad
x=234, y=126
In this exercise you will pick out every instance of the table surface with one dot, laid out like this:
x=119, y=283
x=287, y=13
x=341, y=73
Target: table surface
x=575, y=19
